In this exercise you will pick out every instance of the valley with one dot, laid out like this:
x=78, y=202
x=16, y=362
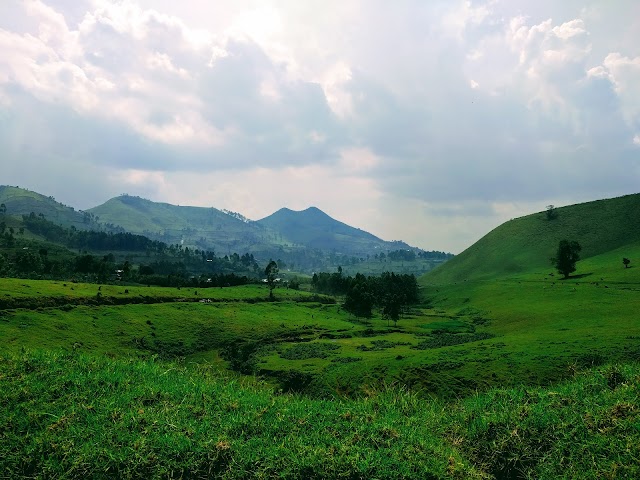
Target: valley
x=496, y=343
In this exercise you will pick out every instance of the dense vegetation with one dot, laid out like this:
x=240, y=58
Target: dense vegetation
x=391, y=293
x=312, y=242
x=41, y=248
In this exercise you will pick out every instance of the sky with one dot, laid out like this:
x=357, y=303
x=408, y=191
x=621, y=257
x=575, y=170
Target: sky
x=428, y=121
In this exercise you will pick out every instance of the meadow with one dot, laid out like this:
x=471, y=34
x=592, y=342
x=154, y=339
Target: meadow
x=531, y=329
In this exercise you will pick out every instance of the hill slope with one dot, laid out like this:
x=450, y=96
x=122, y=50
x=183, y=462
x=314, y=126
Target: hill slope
x=20, y=201
x=206, y=228
x=527, y=243
x=314, y=228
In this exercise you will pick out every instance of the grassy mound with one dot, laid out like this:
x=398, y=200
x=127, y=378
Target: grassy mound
x=527, y=243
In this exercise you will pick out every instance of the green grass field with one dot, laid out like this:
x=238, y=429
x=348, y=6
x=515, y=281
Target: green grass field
x=531, y=329
x=74, y=416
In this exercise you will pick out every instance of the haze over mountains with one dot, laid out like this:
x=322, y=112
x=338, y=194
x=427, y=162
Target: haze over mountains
x=302, y=237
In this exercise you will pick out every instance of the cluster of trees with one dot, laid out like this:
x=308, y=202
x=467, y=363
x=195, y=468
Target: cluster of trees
x=26, y=262
x=90, y=239
x=172, y=263
x=103, y=268
x=389, y=292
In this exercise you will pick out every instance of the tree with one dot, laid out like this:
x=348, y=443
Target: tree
x=626, y=262
x=3, y=208
x=566, y=257
x=391, y=308
x=271, y=272
x=359, y=299
x=552, y=212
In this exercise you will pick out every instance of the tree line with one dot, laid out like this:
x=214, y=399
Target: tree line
x=391, y=293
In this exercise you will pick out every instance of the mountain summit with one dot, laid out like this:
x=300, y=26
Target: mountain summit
x=316, y=229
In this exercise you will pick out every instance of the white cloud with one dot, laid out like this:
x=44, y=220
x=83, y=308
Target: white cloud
x=569, y=29
x=624, y=73
x=464, y=14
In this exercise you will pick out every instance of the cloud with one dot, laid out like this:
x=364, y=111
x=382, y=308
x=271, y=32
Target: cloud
x=445, y=116
x=168, y=84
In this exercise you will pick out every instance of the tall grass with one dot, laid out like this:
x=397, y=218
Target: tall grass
x=75, y=416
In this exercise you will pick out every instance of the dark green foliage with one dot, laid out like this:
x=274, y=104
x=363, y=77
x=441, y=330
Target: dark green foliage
x=566, y=257
x=346, y=359
x=360, y=297
x=377, y=345
x=90, y=239
x=552, y=212
x=173, y=264
x=405, y=255
x=389, y=292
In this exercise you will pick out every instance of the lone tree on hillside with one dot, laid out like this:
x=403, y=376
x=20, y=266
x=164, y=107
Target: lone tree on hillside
x=271, y=272
x=626, y=262
x=552, y=212
x=566, y=257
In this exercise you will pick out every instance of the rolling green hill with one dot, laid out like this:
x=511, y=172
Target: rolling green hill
x=20, y=201
x=526, y=244
x=206, y=228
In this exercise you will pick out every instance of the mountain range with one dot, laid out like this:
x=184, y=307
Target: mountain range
x=306, y=237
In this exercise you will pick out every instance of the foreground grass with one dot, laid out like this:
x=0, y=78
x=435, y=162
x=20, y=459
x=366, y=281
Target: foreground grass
x=74, y=416
x=71, y=416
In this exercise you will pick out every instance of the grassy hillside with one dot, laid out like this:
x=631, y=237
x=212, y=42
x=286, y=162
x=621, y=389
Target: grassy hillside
x=20, y=201
x=206, y=228
x=485, y=380
x=527, y=243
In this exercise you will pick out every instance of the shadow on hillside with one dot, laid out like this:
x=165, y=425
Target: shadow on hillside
x=582, y=275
